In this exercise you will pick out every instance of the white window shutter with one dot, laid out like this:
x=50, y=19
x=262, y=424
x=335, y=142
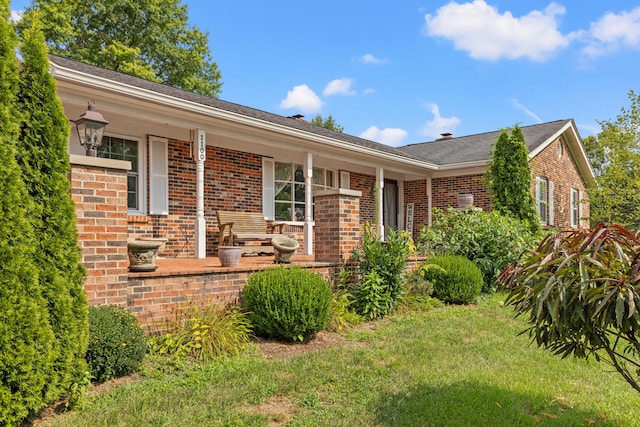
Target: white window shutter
x=551, y=204
x=268, y=187
x=580, y=196
x=159, y=177
x=345, y=180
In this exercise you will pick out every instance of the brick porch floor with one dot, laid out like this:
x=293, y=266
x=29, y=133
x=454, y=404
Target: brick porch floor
x=192, y=266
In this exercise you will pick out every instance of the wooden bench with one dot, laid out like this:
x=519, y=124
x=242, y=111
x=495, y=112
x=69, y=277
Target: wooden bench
x=242, y=227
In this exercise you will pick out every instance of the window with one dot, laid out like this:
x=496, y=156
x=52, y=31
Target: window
x=124, y=149
x=541, y=199
x=290, y=187
x=575, y=208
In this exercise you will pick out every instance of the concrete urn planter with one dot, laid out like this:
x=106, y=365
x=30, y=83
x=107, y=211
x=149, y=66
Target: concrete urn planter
x=229, y=256
x=142, y=254
x=284, y=247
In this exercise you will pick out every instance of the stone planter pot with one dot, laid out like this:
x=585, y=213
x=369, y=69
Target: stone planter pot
x=229, y=256
x=142, y=254
x=284, y=247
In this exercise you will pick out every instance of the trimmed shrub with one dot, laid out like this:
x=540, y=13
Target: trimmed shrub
x=287, y=303
x=455, y=279
x=203, y=332
x=116, y=342
x=380, y=271
x=490, y=239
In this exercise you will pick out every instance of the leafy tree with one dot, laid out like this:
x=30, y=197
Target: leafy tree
x=509, y=178
x=615, y=157
x=44, y=161
x=580, y=293
x=25, y=334
x=328, y=123
x=146, y=38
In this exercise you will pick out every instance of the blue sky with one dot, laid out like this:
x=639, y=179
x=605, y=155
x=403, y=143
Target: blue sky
x=404, y=72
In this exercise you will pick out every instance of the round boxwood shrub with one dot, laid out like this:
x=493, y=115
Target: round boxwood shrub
x=287, y=303
x=116, y=342
x=455, y=279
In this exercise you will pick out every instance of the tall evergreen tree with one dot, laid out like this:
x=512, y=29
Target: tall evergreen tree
x=44, y=161
x=509, y=178
x=25, y=333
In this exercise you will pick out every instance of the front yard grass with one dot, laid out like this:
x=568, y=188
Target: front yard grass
x=451, y=366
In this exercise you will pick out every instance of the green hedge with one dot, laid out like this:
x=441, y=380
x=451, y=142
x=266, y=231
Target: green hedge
x=116, y=342
x=455, y=279
x=287, y=303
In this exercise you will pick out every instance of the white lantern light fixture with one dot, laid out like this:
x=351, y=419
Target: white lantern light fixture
x=90, y=127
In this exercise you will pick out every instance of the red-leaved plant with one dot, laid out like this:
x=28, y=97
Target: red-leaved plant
x=580, y=291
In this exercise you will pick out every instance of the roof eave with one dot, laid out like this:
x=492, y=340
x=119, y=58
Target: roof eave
x=98, y=82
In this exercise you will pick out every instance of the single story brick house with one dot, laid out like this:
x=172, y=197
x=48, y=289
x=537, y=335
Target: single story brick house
x=170, y=159
x=259, y=161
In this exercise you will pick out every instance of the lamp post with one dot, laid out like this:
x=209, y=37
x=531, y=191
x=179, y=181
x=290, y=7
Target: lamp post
x=90, y=127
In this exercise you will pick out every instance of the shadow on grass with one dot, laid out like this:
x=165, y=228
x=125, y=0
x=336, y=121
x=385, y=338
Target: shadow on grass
x=473, y=404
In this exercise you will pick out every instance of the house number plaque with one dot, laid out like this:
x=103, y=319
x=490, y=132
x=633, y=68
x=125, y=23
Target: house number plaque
x=201, y=146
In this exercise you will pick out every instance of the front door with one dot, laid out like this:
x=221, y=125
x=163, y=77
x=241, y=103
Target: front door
x=390, y=205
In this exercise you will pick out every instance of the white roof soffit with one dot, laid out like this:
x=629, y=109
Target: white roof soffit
x=97, y=82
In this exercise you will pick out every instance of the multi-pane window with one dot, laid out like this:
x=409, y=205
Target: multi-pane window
x=289, y=189
x=541, y=199
x=575, y=207
x=124, y=149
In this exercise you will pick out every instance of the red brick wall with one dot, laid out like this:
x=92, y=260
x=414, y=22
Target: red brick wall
x=564, y=174
x=416, y=192
x=366, y=184
x=233, y=181
x=446, y=190
x=100, y=196
x=155, y=297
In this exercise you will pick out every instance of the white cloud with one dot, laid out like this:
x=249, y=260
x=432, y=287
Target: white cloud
x=302, y=98
x=389, y=136
x=487, y=34
x=369, y=91
x=524, y=109
x=370, y=59
x=613, y=32
x=16, y=15
x=339, y=87
x=433, y=128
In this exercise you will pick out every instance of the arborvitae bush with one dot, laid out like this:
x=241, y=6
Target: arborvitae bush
x=116, y=342
x=287, y=303
x=25, y=333
x=455, y=279
x=44, y=162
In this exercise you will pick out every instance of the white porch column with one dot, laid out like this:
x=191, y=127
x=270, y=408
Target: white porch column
x=429, y=202
x=308, y=204
x=200, y=226
x=379, y=202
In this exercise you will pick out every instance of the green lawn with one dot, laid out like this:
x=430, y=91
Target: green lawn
x=452, y=366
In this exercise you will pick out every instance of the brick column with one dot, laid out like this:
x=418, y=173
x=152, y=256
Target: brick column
x=99, y=190
x=337, y=224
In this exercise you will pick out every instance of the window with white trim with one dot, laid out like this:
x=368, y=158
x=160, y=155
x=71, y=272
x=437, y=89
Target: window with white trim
x=541, y=199
x=289, y=189
x=126, y=149
x=575, y=208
